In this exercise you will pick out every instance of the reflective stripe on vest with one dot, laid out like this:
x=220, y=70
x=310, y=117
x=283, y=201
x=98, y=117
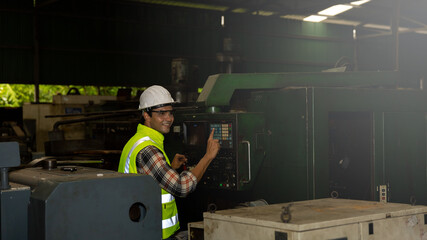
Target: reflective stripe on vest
x=167, y=223
x=131, y=151
x=167, y=198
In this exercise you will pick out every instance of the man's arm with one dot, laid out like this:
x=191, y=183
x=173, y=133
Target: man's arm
x=212, y=149
x=151, y=161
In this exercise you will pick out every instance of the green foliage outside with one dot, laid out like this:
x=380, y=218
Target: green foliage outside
x=14, y=95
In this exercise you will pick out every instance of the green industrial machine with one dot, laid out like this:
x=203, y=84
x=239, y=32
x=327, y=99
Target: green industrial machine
x=356, y=135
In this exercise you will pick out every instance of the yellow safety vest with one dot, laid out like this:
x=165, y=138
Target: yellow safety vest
x=144, y=137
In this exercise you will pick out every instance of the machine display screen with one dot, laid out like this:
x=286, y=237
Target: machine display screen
x=223, y=132
x=196, y=133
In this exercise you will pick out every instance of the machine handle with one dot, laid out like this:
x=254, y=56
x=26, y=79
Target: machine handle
x=249, y=161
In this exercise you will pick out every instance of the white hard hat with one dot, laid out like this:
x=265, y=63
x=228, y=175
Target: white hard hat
x=155, y=96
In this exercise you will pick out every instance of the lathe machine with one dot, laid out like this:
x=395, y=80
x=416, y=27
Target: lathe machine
x=73, y=202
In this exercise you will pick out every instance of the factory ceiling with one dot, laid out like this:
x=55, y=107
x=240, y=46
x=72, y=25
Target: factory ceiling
x=376, y=15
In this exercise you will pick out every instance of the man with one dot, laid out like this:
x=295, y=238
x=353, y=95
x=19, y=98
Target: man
x=144, y=154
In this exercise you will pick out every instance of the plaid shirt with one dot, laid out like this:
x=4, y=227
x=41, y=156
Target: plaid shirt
x=150, y=161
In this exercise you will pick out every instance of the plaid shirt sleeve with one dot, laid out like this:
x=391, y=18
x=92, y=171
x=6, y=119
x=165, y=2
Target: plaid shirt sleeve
x=151, y=161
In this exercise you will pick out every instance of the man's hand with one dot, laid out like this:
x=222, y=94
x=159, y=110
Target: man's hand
x=178, y=161
x=212, y=147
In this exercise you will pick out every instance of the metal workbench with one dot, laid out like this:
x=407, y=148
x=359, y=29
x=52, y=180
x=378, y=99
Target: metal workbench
x=324, y=219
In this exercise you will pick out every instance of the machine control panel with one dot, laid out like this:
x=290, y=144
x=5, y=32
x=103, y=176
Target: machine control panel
x=222, y=172
x=239, y=138
x=223, y=132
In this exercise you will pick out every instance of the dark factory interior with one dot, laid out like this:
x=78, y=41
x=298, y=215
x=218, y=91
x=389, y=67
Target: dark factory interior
x=252, y=119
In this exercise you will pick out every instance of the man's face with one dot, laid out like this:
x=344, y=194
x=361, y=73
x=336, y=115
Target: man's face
x=161, y=119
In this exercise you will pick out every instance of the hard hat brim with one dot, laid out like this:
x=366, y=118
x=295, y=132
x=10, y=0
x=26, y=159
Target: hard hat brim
x=159, y=106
